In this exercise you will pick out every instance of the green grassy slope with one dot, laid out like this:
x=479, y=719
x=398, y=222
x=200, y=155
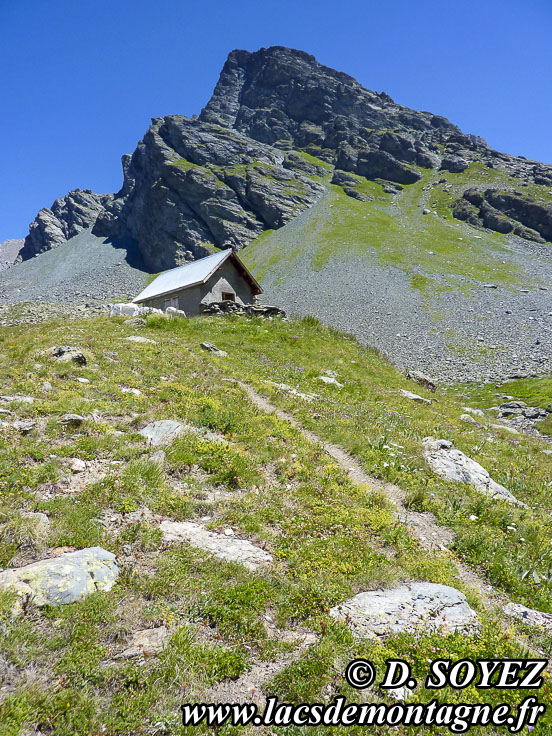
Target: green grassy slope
x=447, y=253
x=329, y=538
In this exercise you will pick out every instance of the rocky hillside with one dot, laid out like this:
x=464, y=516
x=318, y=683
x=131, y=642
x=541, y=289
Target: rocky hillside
x=9, y=251
x=186, y=525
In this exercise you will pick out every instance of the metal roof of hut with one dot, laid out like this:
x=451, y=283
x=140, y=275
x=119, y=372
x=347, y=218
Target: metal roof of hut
x=191, y=274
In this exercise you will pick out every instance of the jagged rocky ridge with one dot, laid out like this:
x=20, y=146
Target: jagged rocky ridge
x=243, y=166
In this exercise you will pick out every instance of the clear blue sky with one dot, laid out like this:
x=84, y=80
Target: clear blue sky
x=82, y=78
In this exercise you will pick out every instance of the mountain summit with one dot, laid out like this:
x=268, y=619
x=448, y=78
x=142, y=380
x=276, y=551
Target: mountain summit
x=223, y=179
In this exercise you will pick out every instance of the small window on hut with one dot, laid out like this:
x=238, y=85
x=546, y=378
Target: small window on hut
x=228, y=296
x=171, y=303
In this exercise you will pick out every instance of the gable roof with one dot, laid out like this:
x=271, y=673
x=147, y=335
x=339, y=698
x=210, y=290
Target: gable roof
x=191, y=274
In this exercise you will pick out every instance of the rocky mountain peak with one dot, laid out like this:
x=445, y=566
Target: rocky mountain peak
x=245, y=164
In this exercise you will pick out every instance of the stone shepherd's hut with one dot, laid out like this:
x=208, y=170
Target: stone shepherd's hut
x=216, y=278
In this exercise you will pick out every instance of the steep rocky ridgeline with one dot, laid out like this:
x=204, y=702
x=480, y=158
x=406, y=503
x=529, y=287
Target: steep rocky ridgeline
x=245, y=165
x=67, y=217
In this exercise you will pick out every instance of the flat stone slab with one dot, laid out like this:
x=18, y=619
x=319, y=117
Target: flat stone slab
x=165, y=431
x=413, y=607
x=139, y=338
x=529, y=615
x=64, y=579
x=162, y=432
x=17, y=398
x=414, y=397
x=294, y=392
x=506, y=428
x=146, y=643
x=330, y=380
x=214, y=350
x=224, y=547
x=451, y=464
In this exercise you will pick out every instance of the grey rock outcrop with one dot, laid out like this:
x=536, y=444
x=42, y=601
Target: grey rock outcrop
x=9, y=252
x=68, y=216
x=190, y=184
x=414, y=607
x=506, y=212
x=64, y=579
x=451, y=464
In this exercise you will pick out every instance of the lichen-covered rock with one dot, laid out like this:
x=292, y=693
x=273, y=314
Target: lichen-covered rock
x=146, y=643
x=451, y=464
x=64, y=579
x=415, y=607
x=225, y=547
x=162, y=432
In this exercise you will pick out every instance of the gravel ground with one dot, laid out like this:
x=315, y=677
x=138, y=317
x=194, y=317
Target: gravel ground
x=492, y=334
x=85, y=267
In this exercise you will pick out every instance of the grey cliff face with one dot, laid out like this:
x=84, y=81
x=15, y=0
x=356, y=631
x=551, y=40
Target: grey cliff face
x=243, y=166
x=191, y=185
x=68, y=216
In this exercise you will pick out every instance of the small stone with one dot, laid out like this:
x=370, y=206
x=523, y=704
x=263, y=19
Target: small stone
x=422, y=379
x=146, y=643
x=16, y=399
x=330, y=380
x=506, y=428
x=469, y=420
x=24, y=426
x=66, y=354
x=476, y=412
x=158, y=457
x=76, y=465
x=529, y=615
x=221, y=546
x=46, y=387
x=74, y=420
x=130, y=390
x=140, y=339
x=414, y=397
x=214, y=350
